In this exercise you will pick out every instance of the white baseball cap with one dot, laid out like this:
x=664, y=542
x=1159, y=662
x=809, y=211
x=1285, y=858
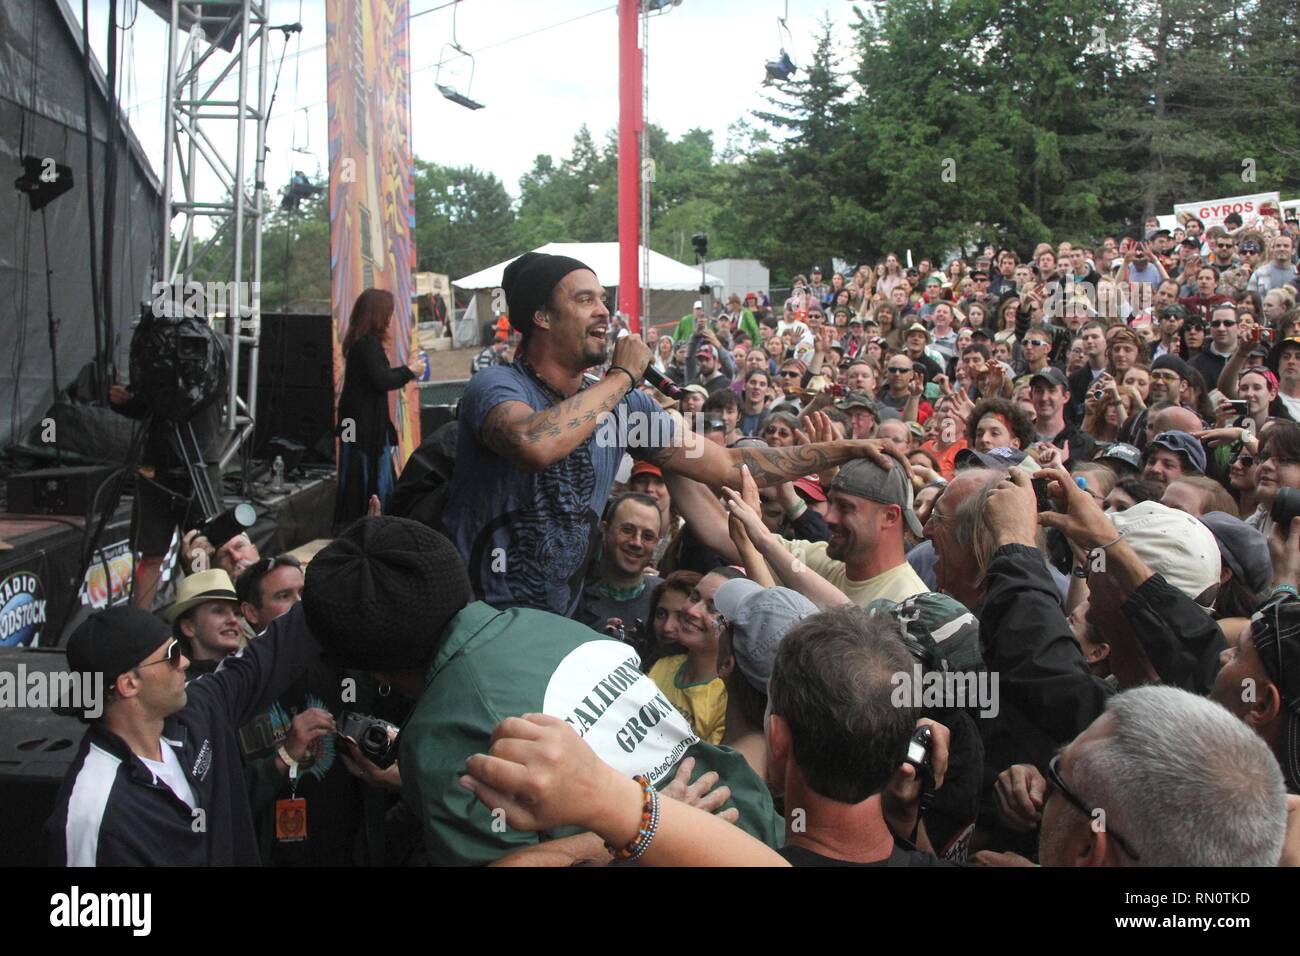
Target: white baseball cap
x=1173, y=544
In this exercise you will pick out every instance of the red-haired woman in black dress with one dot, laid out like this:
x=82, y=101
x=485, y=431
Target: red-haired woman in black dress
x=366, y=432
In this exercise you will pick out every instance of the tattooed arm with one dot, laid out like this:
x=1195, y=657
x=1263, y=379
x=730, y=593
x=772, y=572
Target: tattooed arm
x=703, y=461
x=535, y=440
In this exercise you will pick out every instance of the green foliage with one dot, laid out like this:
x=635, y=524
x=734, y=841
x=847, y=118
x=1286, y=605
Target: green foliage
x=957, y=123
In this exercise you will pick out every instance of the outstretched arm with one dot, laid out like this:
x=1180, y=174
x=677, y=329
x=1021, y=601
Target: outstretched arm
x=703, y=461
x=545, y=776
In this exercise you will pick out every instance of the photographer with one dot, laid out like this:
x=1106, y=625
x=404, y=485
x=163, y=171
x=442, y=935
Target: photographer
x=393, y=598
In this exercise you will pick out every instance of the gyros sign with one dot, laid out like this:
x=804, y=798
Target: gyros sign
x=1212, y=212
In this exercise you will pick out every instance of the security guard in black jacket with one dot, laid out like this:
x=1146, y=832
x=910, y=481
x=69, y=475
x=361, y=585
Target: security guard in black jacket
x=158, y=780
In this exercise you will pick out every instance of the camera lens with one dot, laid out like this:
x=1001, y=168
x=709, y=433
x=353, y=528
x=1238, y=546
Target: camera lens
x=374, y=740
x=1286, y=507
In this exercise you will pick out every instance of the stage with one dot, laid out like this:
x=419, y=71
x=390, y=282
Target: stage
x=42, y=589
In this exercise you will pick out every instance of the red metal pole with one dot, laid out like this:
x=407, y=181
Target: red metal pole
x=630, y=126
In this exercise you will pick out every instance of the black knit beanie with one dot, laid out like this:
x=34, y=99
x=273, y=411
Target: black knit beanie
x=380, y=595
x=528, y=282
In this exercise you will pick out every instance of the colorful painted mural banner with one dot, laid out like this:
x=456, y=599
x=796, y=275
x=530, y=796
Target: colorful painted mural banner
x=372, y=210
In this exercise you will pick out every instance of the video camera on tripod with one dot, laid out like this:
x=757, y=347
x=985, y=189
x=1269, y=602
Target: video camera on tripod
x=179, y=365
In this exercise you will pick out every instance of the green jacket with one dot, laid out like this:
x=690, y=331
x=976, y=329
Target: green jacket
x=748, y=324
x=496, y=664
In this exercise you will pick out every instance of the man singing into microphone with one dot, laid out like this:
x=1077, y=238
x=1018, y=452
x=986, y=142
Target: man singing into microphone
x=534, y=468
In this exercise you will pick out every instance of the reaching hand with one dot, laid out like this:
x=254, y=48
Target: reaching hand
x=1020, y=791
x=1214, y=437
x=305, y=729
x=543, y=775
x=901, y=799
x=1078, y=515
x=744, y=518
x=1012, y=509
x=704, y=794
x=1284, y=547
x=817, y=427
x=361, y=767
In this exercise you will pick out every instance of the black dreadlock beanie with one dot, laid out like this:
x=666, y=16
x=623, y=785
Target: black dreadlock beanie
x=529, y=281
x=380, y=595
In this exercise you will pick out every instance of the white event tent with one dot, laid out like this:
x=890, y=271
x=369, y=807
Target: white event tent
x=674, y=286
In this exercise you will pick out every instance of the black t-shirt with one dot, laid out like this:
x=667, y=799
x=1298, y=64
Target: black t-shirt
x=900, y=856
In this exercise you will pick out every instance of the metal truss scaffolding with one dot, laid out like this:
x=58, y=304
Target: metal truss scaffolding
x=206, y=176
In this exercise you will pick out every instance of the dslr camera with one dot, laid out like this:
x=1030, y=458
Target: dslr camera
x=377, y=739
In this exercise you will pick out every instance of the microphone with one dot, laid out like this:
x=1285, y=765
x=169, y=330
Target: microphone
x=662, y=382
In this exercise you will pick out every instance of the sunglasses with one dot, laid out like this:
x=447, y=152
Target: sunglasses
x=173, y=656
x=898, y=370
x=1222, y=323
x=791, y=374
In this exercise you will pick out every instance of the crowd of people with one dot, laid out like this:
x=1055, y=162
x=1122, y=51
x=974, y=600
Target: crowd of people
x=994, y=563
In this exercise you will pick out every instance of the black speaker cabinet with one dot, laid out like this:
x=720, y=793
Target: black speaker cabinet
x=37, y=746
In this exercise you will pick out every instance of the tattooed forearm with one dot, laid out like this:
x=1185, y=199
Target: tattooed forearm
x=771, y=466
x=542, y=437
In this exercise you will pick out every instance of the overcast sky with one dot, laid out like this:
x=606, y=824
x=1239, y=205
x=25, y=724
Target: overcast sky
x=539, y=77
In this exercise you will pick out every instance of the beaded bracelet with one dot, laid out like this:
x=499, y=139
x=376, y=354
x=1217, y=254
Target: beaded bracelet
x=1285, y=589
x=646, y=830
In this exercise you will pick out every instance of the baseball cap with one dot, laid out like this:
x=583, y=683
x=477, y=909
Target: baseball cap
x=759, y=618
x=853, y=319
x=858, y=399
x=645, y=468
x=1243, y=549
x=751, y=295
x=1181, y=443
x=1123, y=452
x=1275, y=630
x=948, y=633
x=1053, y=376
x=1174, y=310
x=933, y=279
x=1173, y=544
x=810, y=487
x=978, y=274
x=699, y=304
x=863, y=478
x=1000, y=459
x=113, y=641
x=706, y=349
x=1250, y=245
x=815, y=269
